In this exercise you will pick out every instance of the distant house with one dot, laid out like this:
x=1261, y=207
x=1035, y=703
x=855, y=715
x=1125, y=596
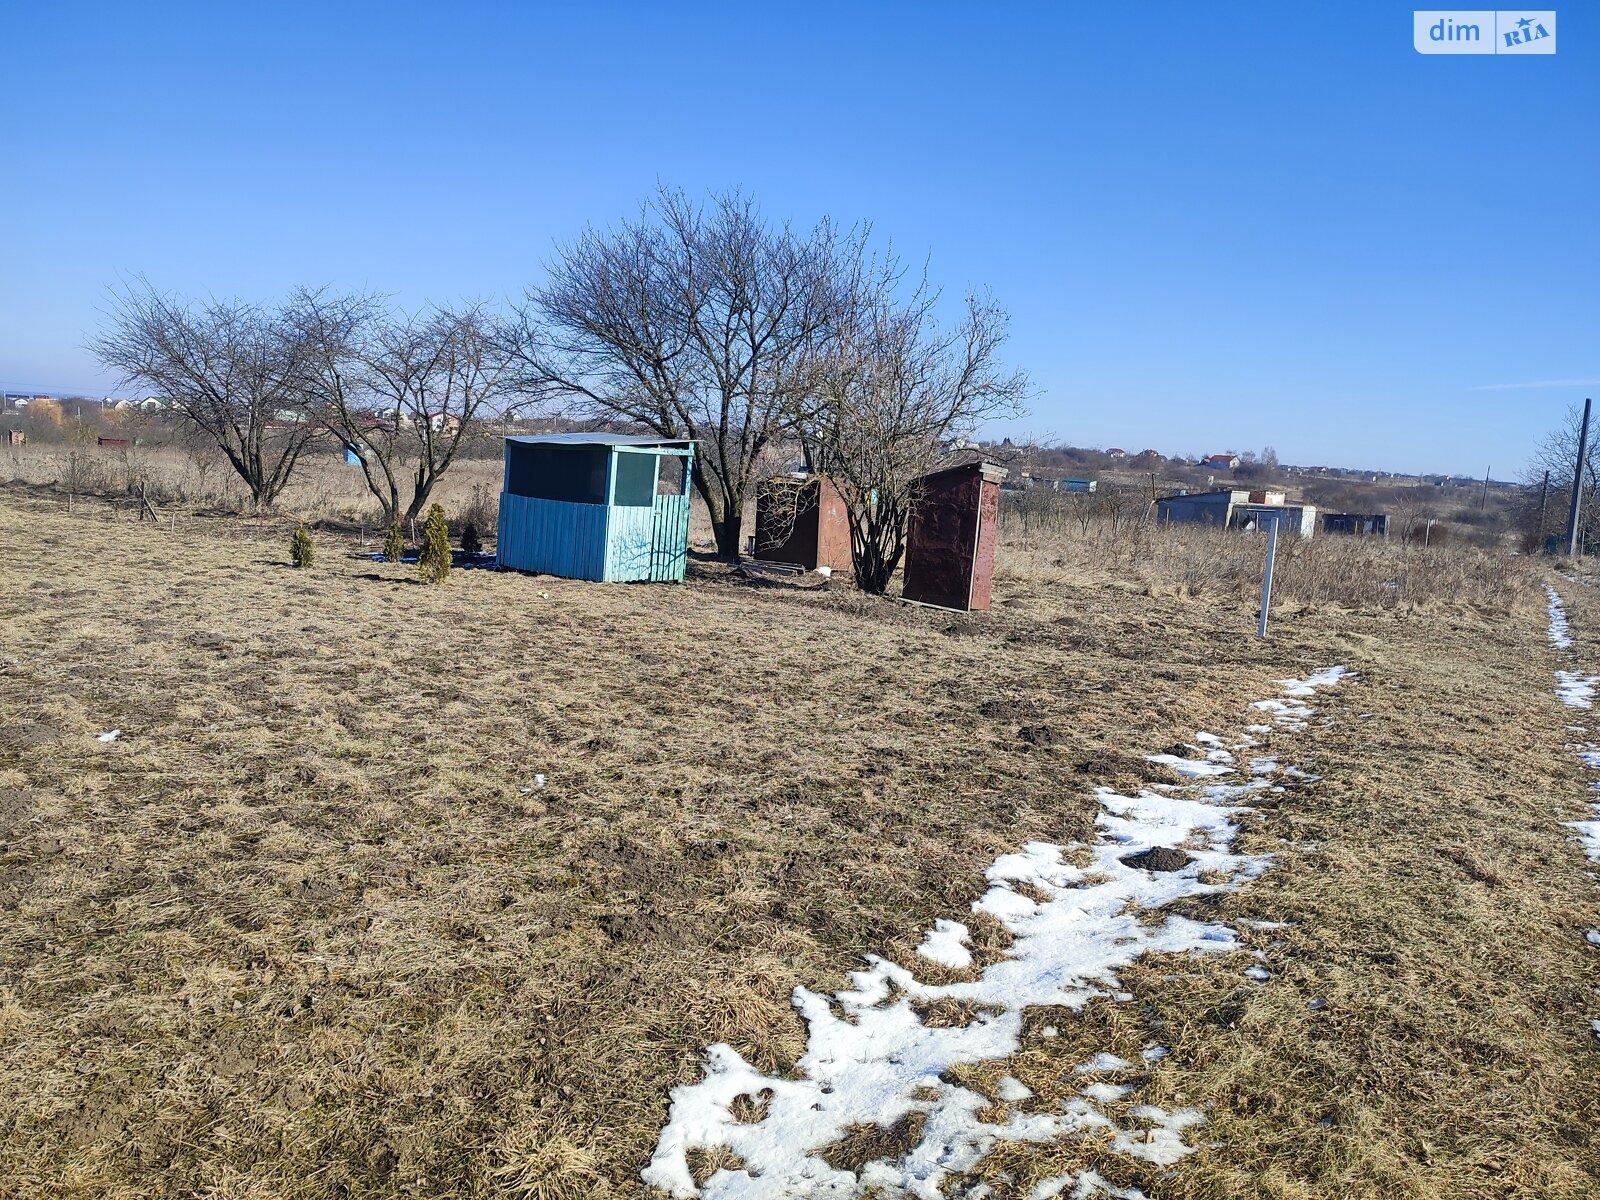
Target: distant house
x=148, y=404
x=1116, y=452
x=1359, y=524
x=1077, y=485
x=443, y=422
x=1222, y=462
x=1235, y=508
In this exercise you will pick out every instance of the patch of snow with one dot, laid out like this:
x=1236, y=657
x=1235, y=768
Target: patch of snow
x=1162, y=1143
x=1259, y=974
x=1302, y=688
x=1191, y=768
x=1592, y=937
x=109, y=737
x=1107, y=1092
x=871, y=1059
x=1589, y=835
x=1560, y=634
x=946, y=944
x=1012, y=1090
x=1102, y=1062
x=1085, y=1185
x=1576, y=689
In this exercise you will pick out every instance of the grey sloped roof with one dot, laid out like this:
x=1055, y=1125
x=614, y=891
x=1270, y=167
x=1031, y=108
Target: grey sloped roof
x=597, y=439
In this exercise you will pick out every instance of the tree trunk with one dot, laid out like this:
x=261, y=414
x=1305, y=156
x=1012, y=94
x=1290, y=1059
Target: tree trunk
x=725, y=509
x=729, y=532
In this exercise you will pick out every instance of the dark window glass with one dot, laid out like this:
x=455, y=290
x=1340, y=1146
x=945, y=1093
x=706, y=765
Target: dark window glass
x=573, y=474
x=636, y=480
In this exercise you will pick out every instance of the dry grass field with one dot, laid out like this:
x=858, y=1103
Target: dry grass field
x=390, y=890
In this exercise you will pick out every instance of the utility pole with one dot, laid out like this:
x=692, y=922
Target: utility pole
x=1576, y=506
x=1544, y=499
x=1484, y=497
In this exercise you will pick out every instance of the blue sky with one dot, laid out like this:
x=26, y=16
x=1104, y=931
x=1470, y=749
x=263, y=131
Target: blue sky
x=1215, y=226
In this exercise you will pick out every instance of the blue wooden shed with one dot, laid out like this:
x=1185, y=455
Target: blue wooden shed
x=601, y=506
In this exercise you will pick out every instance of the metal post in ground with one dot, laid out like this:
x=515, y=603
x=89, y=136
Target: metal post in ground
x=1575, y=508
x=1266, y=576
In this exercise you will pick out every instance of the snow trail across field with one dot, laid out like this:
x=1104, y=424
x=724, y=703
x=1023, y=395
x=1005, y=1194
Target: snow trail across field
x=871, y=1059
x=1577, y=691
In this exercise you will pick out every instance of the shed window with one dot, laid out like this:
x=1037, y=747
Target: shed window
x=636, y=480
x=669, y=475
x=572, y=474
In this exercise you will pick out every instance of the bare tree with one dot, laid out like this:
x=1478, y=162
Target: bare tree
x=1413, y=514
x=403, y=393
x=690, y=321
x=890, y=389
x=230, y=369
x=1557, y=453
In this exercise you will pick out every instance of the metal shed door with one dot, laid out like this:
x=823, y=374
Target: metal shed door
x=669, y=540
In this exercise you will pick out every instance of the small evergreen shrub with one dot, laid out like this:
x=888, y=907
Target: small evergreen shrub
x=471, y=541
x=435, y=556
x=301, y=548
x=394, y=542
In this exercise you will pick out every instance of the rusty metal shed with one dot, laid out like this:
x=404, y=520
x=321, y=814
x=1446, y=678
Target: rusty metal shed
x=803, y=522
x=951, y=538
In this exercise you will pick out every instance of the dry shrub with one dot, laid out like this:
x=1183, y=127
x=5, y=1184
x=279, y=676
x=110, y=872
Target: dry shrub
x=544, y=1163
x=482, y=509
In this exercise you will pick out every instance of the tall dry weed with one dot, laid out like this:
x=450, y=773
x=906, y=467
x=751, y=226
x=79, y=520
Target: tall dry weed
x=1353, y=572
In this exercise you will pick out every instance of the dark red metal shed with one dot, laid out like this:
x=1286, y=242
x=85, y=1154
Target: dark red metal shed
x=803, y=522
x=950, y=541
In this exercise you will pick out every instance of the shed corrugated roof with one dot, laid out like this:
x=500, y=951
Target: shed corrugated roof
x=598, y=439
x=1201, y=495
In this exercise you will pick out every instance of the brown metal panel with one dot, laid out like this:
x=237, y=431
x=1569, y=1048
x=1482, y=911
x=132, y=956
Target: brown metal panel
x=833, y=529
x=784, y=537
x=951, y=538
x=820, y=532
x=941, y=539
x=983, y=564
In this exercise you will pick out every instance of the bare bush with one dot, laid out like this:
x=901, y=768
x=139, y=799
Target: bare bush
x=404, y=394
x=690, y=321
x=229, y=368
x=890, y=388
